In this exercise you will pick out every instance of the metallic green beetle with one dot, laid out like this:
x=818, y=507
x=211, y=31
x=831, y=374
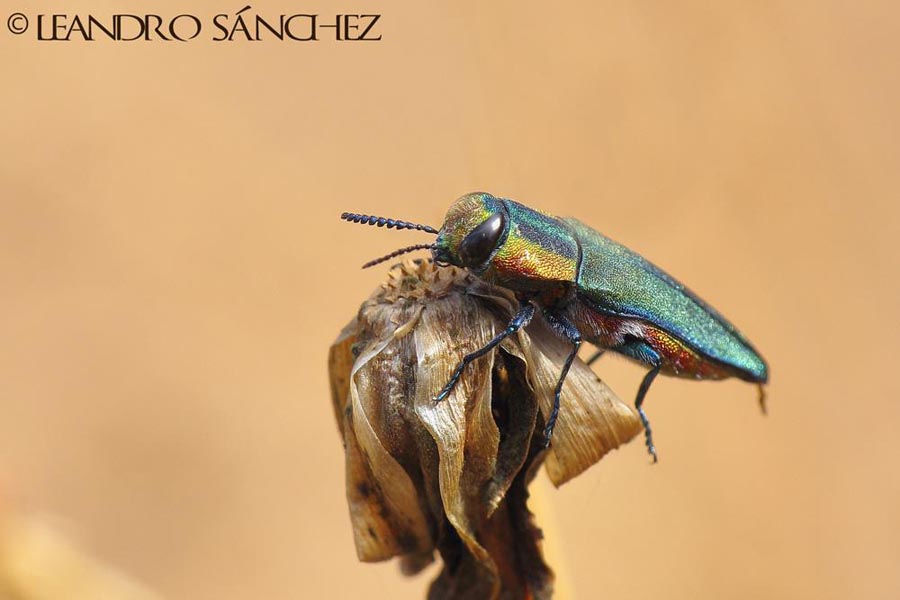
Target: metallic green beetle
x=588, y=288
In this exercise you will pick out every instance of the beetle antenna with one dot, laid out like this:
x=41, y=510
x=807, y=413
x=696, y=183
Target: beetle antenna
x=397, y=253
x=381, y=222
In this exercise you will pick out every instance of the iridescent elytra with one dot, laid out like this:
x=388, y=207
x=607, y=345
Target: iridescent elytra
x=587, y=288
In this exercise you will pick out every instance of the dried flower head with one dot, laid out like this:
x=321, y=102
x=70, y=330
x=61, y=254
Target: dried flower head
x=452, y=476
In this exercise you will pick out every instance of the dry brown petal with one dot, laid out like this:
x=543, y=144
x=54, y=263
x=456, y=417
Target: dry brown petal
x=452, y=476
x=592, y=419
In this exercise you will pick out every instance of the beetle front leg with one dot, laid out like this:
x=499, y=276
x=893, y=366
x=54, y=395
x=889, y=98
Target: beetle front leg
x=520, y=320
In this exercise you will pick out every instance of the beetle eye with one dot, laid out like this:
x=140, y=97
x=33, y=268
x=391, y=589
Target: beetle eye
x=476, y=247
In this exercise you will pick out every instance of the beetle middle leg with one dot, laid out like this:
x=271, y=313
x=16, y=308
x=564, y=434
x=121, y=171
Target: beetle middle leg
x=520, y=320
x=566, y=328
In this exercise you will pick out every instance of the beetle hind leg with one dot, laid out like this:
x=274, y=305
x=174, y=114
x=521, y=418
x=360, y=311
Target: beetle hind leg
x=594, y=357
x=641, y=351
x=638, y=404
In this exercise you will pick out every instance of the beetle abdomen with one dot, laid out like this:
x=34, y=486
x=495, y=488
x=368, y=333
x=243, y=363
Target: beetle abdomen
x=618, y=333
x=621, y=283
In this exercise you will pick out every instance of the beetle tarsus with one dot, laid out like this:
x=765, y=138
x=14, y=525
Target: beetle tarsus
x=762, y=399
x=648, y=434
x=448, y=387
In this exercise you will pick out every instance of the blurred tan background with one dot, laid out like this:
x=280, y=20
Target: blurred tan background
x=172, y=272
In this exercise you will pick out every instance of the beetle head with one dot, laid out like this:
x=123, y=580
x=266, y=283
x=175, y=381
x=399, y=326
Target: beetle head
x=474, y=228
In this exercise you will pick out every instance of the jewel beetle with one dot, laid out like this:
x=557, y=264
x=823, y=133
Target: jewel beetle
x=587, y=288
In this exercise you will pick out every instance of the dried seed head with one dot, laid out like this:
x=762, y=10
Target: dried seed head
x=452, y=476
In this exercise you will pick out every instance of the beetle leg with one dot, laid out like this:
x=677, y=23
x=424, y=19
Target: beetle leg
x=521, y=319
x=565, y=327
x=641, y=351
x=762, y=399
x=642, y=391
x=594, y=357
